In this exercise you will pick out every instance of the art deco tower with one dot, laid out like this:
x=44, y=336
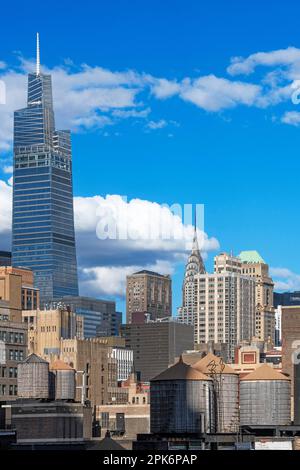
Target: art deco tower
x=195, y=265
x=43, y=218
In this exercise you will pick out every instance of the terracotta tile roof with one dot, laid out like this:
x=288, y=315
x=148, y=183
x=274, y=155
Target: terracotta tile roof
x=60, y=365
x=210, y=364
x=265, y=372
x=180, y=371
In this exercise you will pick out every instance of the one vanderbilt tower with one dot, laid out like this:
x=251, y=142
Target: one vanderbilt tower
x=43, y=218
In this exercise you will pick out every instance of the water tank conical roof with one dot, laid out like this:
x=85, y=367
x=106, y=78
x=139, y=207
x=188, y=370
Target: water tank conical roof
x=34, y=358
x=211, y=364
x=180, y=371
x=265, y=372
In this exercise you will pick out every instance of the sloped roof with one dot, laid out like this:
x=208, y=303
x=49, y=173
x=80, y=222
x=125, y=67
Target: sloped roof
x=108, y=444
x=60, y=365
x=191, y=358
x=180, y=371
x=265, y=372
x=251, y=256
x=34, y=358
x=210, y=364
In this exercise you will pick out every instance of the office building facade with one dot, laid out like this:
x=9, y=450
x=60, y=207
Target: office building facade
x=156, y=345
x=46, y=329
x=43, y=236
x=150, y=293
x=255, y=267
x=13, y=349
x=225, y=305
x=13, y=333
x=100, y=316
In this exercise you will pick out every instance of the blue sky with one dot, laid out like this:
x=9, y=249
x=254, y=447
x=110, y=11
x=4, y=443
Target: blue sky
x=229, y=141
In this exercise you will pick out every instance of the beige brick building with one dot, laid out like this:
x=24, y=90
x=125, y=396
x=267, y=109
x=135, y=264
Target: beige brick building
x=255, y=267
x=17, y=287
x=46, y=328
x=148, y=292
x=58, y=334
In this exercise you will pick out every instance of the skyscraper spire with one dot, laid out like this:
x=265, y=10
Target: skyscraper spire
x=194, y=266
x=38, y=62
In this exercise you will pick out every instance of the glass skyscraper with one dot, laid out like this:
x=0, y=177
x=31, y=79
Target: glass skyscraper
x=43, y=219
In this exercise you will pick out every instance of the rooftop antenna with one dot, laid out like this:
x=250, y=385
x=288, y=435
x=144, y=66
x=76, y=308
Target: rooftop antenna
x=38, y=62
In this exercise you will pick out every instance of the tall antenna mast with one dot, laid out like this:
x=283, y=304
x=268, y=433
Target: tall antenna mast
x=38, y=61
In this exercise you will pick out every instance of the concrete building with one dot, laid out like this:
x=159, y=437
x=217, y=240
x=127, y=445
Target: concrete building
x=138, y=392
x=290, y=340
x=124, y=358
x=194, y=265
x=97, y=370
x=46, y=329
x=156, y=345
x=37, y=416
x=54, y=422
x=100, y=316
x=127, y=420
x=225, y=305
x=119, y=353
x=255, y=267
x=148, y=292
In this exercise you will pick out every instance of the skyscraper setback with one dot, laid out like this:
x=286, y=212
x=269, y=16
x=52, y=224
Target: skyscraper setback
x=43, y=218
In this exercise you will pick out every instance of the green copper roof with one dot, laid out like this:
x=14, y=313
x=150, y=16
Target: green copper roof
x=251, y=256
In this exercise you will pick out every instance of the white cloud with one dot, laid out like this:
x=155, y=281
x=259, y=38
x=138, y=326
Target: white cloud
x=5, y=206
x=285, y=280
x=286, y=57
x=157, y=124
x=132, y=113
x=8, y=169
x=111, y=280
x=209, y=92
x=142, y=229
x=163, y=88
x=84, y=98
x=88, y=97
x=213, y=93
x=292, y=118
